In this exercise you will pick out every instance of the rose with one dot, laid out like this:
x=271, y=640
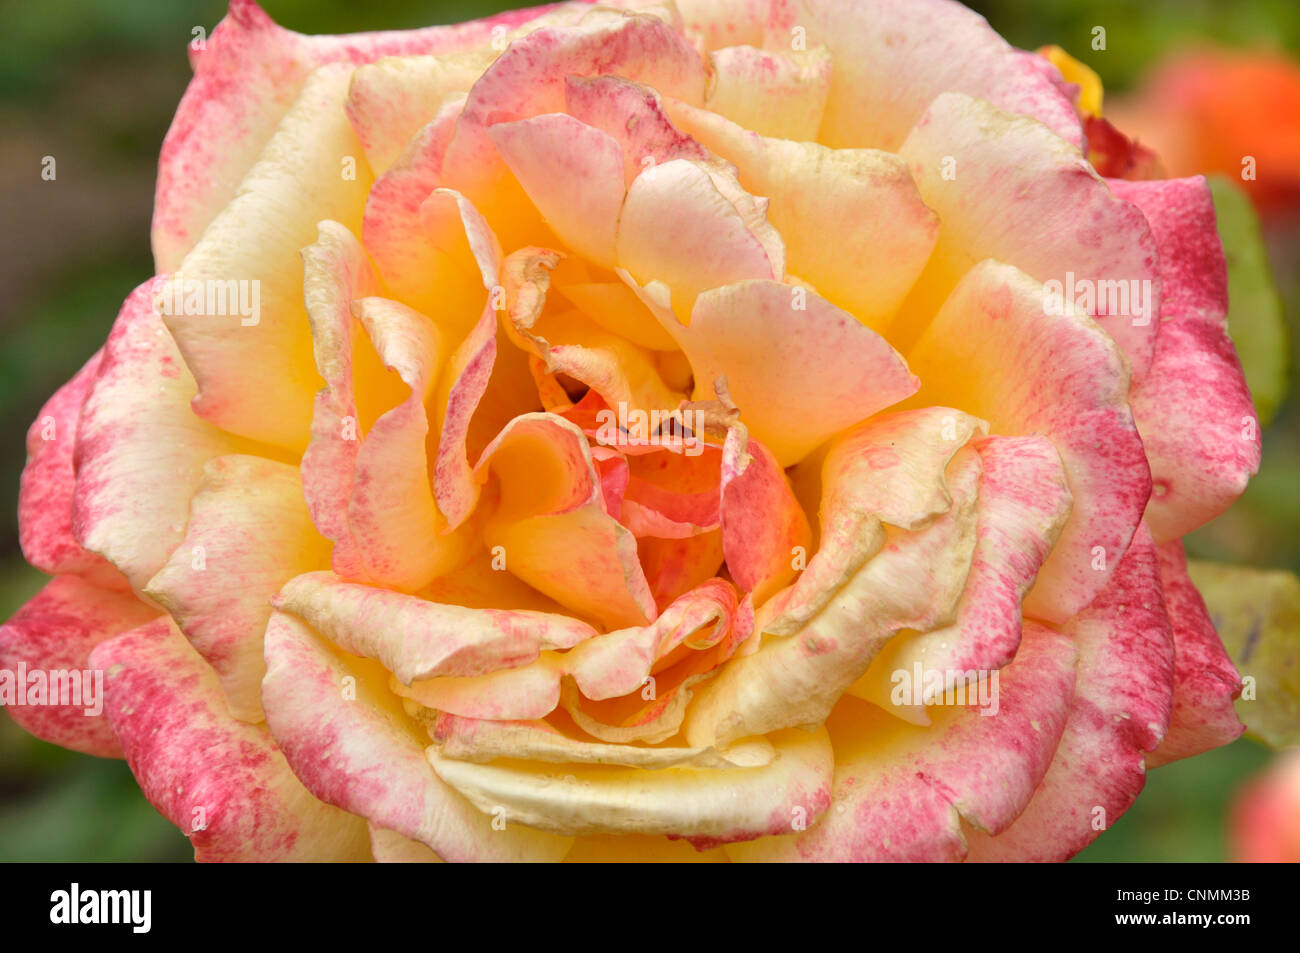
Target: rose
x=1265, y=815
x=1214, y=110
x=894, y=583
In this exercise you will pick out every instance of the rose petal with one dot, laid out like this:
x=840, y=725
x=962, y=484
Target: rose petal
x=913, y=583
x=1205, y=681
x=893, y=57
x=140, y=451
x=691, y=227
x=1122, y=701
x=1007, y=188
x=737, y=330
x=245, y=80
x=244, y=362
x=249, y=533
x=902, y=792
x=239, y=801
x=1055, y=374
x=706, y=804
x=779, y=94
x=54, y=633
x=552, y=526
x=763, y=525
x=1024, y=501
x=416, y=639
x=1194, y=411
x=394, y=520
x=852, y=220
x=46, y=491
x=365, y=755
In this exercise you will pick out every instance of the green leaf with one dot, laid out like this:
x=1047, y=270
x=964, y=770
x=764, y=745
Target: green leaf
x=1255, y=321
x=1257, y=614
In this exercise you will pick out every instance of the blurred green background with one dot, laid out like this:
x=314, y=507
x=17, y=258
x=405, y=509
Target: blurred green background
x=94, y=83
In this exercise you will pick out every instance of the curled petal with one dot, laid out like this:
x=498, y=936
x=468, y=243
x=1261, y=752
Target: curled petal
x=365, y=755
x=913, y=583
x=250, y=348
x=1024, y=501
x=708, y=805
x=618, y=663
x=552, y=526
x=691, y=228
x=336, y=271
x=416, y=639
x=393, y=517
x=852, y=220
x=574, y=175
x=887, y=470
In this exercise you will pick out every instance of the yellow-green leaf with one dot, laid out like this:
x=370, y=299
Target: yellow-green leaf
x=1257, y=613
x=1255, y=321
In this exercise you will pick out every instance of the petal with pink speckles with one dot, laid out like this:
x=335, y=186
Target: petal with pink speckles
x=1045, y=369
x=1007, y=188
x=737, y=330
x=366, y=755
x=1024, y=501
x=140, y=451
x=1122, y=700
x=54, y=633
x=1205, y=681
x=249, y=533
x=1194, y=411
x=46, y=491
x=239, y=801
x=245, y=79
x=902, y=791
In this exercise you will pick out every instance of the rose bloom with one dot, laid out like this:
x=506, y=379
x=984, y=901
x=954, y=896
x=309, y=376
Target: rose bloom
x=1235, y=113
x=363, y=513
x=1265, y=816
